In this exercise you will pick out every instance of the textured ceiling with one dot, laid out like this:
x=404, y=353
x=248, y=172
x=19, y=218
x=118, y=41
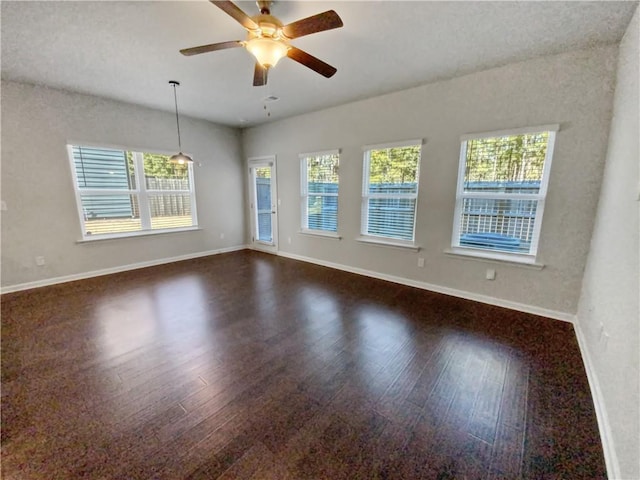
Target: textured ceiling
x=128, y=51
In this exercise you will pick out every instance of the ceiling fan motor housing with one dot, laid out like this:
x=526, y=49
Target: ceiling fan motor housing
x=270, y=27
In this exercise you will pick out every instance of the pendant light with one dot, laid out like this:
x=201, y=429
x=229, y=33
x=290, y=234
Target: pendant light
x=179, y=158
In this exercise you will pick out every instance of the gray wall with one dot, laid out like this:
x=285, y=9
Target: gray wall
x=573, y=89
x=611, y=288
x=41, y=216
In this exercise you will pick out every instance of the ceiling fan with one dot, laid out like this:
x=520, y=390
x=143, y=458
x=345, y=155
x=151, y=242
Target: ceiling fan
x=268, y=39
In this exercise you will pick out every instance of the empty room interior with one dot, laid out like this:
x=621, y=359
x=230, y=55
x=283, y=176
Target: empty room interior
x=320, y=240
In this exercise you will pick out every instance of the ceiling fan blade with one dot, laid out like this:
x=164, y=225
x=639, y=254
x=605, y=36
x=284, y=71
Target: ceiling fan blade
x=232, y=10
x=317, y=23
x=212, y=47
x=312, y=62
x=260, y=75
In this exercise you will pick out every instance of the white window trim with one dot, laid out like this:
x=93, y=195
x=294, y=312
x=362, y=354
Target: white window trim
x=304, y=195
x=540, y=197
x=137, y=233
x=366, y=237
x=320, y=233
x=320, y=153
x=402, y=143
x=388, y=242
x=142, y=194
x=495, y=256
x=554, y=127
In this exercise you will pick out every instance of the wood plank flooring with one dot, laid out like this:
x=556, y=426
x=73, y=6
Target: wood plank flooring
x=251, y=366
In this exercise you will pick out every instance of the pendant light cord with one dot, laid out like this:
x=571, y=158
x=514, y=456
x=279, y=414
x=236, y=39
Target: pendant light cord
x=175, y=98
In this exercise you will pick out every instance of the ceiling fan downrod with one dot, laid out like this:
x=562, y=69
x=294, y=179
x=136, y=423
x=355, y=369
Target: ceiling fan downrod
x=264, y=6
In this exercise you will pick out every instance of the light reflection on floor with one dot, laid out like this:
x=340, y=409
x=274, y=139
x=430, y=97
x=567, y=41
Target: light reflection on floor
x=126, y=322
x=174, y=312
x=381, y=334
x=319, y=312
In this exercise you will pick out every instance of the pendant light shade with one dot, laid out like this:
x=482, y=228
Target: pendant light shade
x=179, y=158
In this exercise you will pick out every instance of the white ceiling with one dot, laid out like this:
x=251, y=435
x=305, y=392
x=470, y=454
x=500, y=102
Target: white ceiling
x=128, y=51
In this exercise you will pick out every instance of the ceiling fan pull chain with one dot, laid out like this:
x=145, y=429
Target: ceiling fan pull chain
x=268, y=99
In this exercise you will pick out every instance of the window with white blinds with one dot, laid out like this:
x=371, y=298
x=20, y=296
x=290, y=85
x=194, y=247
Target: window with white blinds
x=390, y=190
x=123, y=193
x=319, y=191
x=502, y=185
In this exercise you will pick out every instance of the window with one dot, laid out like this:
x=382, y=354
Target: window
x=502, y=184
x=390, y=190
x=124, y=193
x=319, y=191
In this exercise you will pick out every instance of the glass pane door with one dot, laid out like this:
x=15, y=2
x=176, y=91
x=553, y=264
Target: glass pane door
x=264, y=219
x=264, y=230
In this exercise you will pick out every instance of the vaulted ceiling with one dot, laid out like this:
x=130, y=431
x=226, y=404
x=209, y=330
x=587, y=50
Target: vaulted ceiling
x=128, y=51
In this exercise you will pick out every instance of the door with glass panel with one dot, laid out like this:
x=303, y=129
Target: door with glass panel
x=263, y=203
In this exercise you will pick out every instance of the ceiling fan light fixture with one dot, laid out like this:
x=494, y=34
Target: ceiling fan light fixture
x=267, y=51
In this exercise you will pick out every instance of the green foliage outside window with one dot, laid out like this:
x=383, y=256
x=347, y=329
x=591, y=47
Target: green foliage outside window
x=322, y=169
x=394, y=165
x=158, y=166
x=514, y=158
x=263, y=172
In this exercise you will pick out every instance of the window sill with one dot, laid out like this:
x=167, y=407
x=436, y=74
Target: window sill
x=525, y=261
x=144, y=233
x=389, y=243
x=320, y=233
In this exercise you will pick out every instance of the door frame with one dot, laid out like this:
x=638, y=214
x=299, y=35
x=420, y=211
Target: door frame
x=255, y=162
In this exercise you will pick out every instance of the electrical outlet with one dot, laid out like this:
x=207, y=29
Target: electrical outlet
x=40, y=261
x=221, y=236
x=3, y=206
x=289, y=240
x=491, y=274
x=421, y=262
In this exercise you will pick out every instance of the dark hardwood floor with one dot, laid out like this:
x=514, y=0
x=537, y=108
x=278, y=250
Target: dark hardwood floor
x=251, y=366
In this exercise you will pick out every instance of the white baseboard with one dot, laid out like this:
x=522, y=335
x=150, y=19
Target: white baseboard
x=521, y=307
x=610, y=456
x=122, y=268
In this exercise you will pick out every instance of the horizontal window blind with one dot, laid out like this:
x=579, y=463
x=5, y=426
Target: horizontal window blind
x=103, y=168
x=319, y=191
x=390, y=191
